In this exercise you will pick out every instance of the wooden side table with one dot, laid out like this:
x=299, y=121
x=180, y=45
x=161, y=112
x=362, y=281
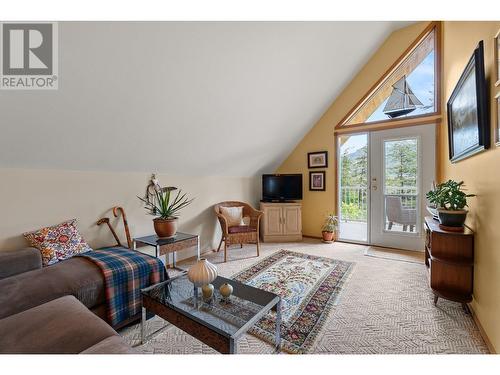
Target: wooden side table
x=165, y=246
x=449, y=257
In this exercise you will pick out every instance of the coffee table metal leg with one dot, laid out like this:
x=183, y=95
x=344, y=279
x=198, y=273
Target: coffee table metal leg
x=233, y=346
x=195, y=297
x=278, y=327
x=198, y=246
x=143, y=326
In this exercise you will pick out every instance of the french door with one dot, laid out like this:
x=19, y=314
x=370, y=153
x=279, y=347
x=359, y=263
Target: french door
x=382, y=179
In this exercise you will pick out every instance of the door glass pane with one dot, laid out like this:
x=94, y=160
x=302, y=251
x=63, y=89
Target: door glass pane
x=352, y=190
x=401, y=193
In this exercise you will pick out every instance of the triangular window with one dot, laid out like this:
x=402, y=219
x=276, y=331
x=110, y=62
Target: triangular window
x=407, y=90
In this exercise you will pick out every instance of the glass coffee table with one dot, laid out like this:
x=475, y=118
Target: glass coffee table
x=218, y=323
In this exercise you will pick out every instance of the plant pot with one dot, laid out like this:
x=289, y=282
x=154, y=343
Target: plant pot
x=165, y=228
x=451, y=218
x=433, y=211
x=328, y=236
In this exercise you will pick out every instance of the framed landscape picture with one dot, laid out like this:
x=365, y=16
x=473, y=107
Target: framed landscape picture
x=497, y=127
x=317, y=181
x=317, y=159
x=497, y=59
x=468, y=122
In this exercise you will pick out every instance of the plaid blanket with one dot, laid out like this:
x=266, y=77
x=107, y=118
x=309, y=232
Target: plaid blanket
x=125, y=272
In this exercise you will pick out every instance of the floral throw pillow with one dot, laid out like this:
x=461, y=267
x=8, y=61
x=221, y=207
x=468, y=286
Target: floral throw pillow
x=58, y=242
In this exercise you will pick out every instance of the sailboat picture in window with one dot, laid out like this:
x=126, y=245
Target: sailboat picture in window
x=408, y=89
x=402, y=100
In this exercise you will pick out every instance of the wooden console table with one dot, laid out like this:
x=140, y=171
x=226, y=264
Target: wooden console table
x=449, y=257
x=165, y=246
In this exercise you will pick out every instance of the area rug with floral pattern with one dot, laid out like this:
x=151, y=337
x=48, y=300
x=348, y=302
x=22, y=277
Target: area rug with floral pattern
x=309, y=286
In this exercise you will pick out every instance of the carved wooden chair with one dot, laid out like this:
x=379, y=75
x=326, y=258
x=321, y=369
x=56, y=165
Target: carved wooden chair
x=239, y=234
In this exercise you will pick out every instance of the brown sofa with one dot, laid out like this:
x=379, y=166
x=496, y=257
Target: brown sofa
x=56, y=309
x=77, y=276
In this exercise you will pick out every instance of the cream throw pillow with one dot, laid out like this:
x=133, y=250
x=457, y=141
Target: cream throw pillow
x=233, y=215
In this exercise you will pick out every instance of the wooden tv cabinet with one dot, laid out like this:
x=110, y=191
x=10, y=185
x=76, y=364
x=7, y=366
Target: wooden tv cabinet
x=281, y=222
x=449, y=257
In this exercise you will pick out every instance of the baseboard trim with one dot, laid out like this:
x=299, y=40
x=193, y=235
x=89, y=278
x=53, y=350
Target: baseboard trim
x=482, y=332
x=313, y=237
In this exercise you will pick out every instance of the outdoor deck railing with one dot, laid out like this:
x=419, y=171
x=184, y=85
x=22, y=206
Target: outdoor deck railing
x=354, y=200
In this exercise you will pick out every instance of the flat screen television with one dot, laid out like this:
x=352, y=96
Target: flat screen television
x=281, y=187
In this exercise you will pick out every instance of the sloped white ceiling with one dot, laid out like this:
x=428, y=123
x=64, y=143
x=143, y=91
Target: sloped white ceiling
x=193, y=98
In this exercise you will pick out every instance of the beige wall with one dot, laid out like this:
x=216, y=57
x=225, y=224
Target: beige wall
x=481, y=172
x=32, y=198
x=317, y=204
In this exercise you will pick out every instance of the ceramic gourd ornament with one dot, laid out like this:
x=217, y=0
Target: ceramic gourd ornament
x=208, y=291
x=226, y=290
x=202, y=273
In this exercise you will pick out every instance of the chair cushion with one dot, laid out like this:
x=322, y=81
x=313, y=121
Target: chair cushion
x=241, y=229
x=233, y=215
x=62, y=326
x=76, y=276
x=58, y=242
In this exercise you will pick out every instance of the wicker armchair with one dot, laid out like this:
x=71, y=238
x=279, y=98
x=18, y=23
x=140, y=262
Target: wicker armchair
x=239, y=234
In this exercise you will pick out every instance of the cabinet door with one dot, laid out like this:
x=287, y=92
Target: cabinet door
x=273, y=222
x=292, y=220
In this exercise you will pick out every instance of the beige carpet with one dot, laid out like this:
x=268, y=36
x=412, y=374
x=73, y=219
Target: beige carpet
x=386, y=307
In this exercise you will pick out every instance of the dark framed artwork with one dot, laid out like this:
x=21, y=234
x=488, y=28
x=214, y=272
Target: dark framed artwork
x=317, y=181
x=468, y=122
x=497, y=59
x=317, y=159
x=497, y=127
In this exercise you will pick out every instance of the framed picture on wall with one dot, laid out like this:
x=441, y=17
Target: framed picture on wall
x=468, y=122
x=317, y=159
x=497, y=59
x=317, y=181
x=497, y=127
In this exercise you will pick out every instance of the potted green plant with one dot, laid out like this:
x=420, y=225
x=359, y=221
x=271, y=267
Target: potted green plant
x=160, y=204
x=450, y=201
x=330, y=227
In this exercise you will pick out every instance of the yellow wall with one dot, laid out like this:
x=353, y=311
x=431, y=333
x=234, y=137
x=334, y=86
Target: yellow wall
x=316, y=204
x=481, y=172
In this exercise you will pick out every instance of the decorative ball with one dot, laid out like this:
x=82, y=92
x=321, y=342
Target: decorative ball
x=226, y=290
x=208, y=291
x=202, y=273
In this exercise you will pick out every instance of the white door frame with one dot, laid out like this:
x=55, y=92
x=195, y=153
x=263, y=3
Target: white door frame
x=415, y=131
x=368, y=192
